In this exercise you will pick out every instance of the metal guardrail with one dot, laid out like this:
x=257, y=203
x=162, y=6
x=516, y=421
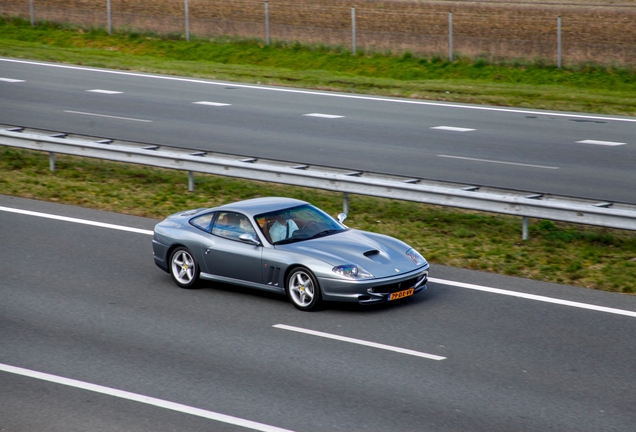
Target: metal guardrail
x=523, y=204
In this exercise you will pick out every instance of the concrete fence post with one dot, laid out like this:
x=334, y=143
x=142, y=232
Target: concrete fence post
x=267, y=23
x=110, y=19
x=450, y=36
x=559, y=42
x=187, y=21
x=353, y=31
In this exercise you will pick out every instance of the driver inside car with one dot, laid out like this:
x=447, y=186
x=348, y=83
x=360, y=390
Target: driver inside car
x=282, y=228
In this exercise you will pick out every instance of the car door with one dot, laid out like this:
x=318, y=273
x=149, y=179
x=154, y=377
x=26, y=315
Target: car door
x=228, y=256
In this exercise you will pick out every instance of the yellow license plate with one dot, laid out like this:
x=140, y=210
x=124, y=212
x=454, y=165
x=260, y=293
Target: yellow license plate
x=401, y=294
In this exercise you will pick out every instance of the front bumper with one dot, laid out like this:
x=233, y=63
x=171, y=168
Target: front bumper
x=374, y=290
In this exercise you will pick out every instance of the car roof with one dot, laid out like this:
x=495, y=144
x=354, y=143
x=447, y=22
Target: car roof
x=256, y=206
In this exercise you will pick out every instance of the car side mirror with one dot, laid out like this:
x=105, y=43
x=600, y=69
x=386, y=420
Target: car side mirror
x=249, y=238
x=342, y=217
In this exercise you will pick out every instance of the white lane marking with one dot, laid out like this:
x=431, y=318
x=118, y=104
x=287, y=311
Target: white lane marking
x=319, y=93
x=498, y=162
x=211, y=415
x=108, y=116
x=605, y=143
x=75, y=220
x=217, y=104
x=328, y=116
x=452, y=128
x=11, y=80
x=104, y=91
x=359, y=342
x=535, y=297
x=434, y=280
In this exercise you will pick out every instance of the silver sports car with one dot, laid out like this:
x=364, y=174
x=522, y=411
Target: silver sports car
x=287, y=246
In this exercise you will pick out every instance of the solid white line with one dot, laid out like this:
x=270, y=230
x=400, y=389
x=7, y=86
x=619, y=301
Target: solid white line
x=107, y=116
x=217, y=104
x=359, y=342
x=451, y=128
x=75, y=220
x=535, y=297
x=319, y=93
x=11, y=80
x=605, y=143
x=211, y=415
x=498, y=162
x=328, y=116
x=104, y=91
x=434, y=280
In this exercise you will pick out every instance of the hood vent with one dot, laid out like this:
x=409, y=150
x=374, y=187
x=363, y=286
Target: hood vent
x=371, y=253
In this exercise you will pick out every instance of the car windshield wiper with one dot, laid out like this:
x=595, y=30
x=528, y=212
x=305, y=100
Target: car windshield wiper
x=325, y=233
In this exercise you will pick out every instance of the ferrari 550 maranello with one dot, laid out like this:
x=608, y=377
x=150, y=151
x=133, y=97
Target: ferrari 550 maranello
x=287, y=246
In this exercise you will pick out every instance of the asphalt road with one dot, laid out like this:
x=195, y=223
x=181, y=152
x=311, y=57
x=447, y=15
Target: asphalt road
x=588, y=156
x=87, y=303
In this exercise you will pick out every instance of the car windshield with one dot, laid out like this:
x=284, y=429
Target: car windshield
x=297, y=224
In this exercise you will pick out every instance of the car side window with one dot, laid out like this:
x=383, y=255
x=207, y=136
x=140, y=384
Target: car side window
x=232, y=225
x=203, y=222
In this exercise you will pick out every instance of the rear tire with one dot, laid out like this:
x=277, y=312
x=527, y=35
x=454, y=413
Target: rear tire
x=184, y=268
x=303, y=290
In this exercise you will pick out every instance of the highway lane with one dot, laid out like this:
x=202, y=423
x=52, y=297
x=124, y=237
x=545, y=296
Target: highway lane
x=87, y=303
x=572, y=154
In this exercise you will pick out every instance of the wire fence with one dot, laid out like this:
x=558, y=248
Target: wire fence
x=551, y=33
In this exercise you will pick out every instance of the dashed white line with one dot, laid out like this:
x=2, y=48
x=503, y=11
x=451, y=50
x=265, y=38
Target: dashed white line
x=110, y=92
x=603, y=143
x=160, y=403
x=359, y=342
x=499, y=162
x=108, y=116
x=452, y=128
x=434, y=280
x=216, y=104
x=11, y=80
x=327, y=116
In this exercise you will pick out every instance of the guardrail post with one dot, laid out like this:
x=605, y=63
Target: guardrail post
x=187, y=21
x=353, y=31
x=52, y=161
x=190, y=181
x=345, y=203
x=32, y=12
x=524, y=228
x=267, y=23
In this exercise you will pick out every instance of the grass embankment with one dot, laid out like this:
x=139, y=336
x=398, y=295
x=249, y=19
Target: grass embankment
x=585, y=256
x=587, y=88
x=577, y=255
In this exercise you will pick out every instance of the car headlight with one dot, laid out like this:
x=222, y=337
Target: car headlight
x=416, y=257
x=352, y=271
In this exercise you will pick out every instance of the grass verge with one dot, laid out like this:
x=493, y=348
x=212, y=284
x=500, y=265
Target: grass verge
x=590, y=257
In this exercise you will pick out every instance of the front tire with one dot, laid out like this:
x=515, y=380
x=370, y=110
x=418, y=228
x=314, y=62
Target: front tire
x=303, y=290
x=184, y=268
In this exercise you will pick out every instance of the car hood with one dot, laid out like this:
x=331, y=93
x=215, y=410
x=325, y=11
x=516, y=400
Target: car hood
x=382, y=256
